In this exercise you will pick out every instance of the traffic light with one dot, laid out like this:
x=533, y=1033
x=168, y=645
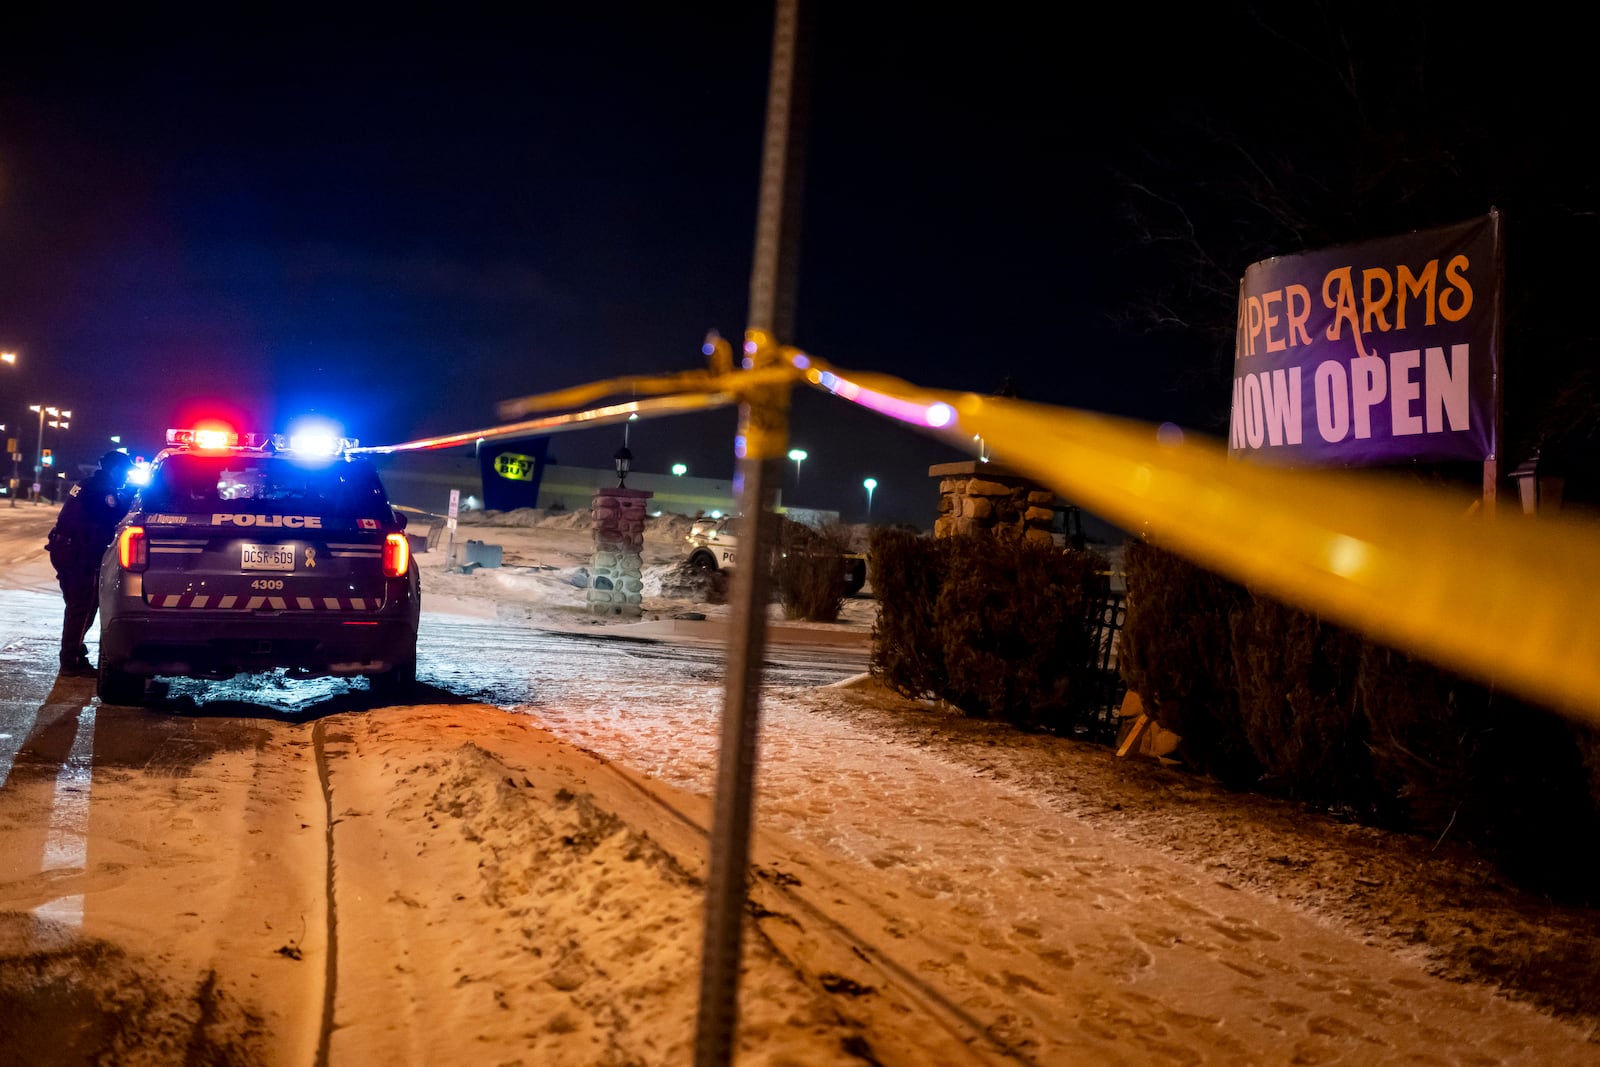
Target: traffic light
x=46, y=459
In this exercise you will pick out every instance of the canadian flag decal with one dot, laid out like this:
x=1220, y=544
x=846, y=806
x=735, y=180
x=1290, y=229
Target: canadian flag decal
x=368, y=524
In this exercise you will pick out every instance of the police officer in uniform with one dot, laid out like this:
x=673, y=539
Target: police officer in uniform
x=82, y=531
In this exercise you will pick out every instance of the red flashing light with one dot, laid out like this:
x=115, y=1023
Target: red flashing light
x=396, y=555
x=203, y=438
x=215, y=439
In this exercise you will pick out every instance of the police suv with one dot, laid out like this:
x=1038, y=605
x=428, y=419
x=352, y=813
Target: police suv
x=249, y=556
x=712, y=543
x=713, y=546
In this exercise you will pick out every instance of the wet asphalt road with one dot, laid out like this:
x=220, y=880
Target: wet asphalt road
x=460, y=659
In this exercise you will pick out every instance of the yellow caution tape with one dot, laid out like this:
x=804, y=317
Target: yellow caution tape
x=735, y=384
x=575, y=420
x=1504, y=599
x=770, y=365
x=764, y=407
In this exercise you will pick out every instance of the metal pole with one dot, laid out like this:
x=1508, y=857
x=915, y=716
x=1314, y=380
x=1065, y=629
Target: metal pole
x=38, y=459
x=772, y=273
x=732, y=815
x=1491, y=463
x=762, y=441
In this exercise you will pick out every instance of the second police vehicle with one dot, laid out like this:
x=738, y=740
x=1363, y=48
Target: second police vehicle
x=714, y=546
x=250, y=555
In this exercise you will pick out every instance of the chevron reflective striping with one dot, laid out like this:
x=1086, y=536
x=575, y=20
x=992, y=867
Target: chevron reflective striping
x=269, y=603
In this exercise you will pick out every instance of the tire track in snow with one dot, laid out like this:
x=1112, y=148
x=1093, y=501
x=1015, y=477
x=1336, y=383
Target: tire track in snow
x=330, y=974
x=774, y=894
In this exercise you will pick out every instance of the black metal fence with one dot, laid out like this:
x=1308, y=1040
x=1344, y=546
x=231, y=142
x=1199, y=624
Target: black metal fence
x=1104, y=615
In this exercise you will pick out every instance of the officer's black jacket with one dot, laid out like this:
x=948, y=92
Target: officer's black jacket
x=86, y=524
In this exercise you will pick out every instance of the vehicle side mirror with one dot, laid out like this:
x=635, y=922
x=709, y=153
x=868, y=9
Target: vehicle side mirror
x=399, y=518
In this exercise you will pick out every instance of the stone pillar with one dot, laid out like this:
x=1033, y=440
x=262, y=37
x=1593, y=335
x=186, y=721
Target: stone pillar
x=616, y=583
x=982, y=498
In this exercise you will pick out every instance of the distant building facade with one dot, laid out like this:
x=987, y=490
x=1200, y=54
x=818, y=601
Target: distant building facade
x=422, y=481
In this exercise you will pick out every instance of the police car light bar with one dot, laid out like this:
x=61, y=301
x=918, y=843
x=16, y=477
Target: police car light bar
x=315, y=444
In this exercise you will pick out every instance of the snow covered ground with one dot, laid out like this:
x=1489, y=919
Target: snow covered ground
x=521, y=881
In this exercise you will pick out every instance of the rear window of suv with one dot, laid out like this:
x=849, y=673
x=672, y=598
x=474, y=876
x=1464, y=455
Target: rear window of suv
x=268, y=484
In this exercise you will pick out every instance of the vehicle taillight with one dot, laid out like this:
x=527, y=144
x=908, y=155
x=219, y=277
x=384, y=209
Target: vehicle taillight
x=133, y=551
x=396, y=555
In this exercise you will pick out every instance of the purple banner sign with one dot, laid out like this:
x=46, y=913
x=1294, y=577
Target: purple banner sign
x=1371, y=354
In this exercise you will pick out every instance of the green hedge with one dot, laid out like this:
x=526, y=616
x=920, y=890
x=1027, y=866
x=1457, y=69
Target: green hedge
x=997, y=629
x=1312, y=711
x=1470, y=762
x=1265, y=696
x=808, y=570
x=906, y=572
x=1299, y=708
x=1177, y=654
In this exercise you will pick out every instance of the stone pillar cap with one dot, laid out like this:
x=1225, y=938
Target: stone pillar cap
x=972, y=466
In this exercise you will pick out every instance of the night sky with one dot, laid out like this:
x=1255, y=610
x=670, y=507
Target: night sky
x=399, y=225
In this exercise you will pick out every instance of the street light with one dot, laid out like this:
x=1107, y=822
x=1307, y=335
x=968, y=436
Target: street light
x=10, y=359
x=869, y=485
x=58, y=419
x=799, y=457
x=680, y=469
